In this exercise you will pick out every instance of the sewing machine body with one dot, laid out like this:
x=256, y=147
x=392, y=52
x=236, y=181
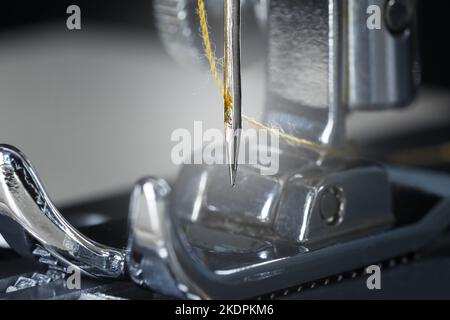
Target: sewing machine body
x=323, y=62
x=318, y=217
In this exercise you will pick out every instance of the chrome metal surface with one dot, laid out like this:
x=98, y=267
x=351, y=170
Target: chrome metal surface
x=332, y=205
x=232, y=84
x=178, y=252
x=320, y=214
x=29, y=218
x=153, y=261
x=288, y=206
x=178, y=26
x=383, y=67
x=203, y=240
x=306, y=69
x=323, y=60
x=399, y=15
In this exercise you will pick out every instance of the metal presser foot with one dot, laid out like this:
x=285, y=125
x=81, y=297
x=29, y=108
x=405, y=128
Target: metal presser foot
x=200, y=241
x=320, y=215
x=32, y=225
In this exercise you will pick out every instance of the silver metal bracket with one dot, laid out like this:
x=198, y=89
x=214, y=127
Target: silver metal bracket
x=29, y=220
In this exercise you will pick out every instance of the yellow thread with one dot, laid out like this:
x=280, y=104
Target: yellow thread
x=290, y=138
x=228, y=101
x=210, y=53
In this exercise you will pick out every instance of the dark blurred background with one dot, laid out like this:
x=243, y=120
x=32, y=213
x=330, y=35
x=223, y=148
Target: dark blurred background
x=127, y=14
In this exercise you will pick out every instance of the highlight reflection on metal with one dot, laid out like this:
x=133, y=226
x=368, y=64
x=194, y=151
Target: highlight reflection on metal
x=29, y=221
x=232, y=83
x=320, y=215
x=217, y=258
x=322, y=59
x=153, y=262
x=323, y=62
x=204, y=240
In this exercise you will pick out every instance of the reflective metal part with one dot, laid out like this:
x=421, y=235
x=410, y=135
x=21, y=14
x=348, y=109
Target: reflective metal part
x=29, y=220
x=232, y=84
x=324, y=61
x=180, y=252
x=320, y=215
x=3, y=243
x=288, y=207
x=153, y=262
x=178, y=26
x=306, y=69
x=202, y=240
x=332, y=205
x=383, y=67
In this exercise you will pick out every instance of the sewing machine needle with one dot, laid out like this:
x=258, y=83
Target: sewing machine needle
x=232, y=84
